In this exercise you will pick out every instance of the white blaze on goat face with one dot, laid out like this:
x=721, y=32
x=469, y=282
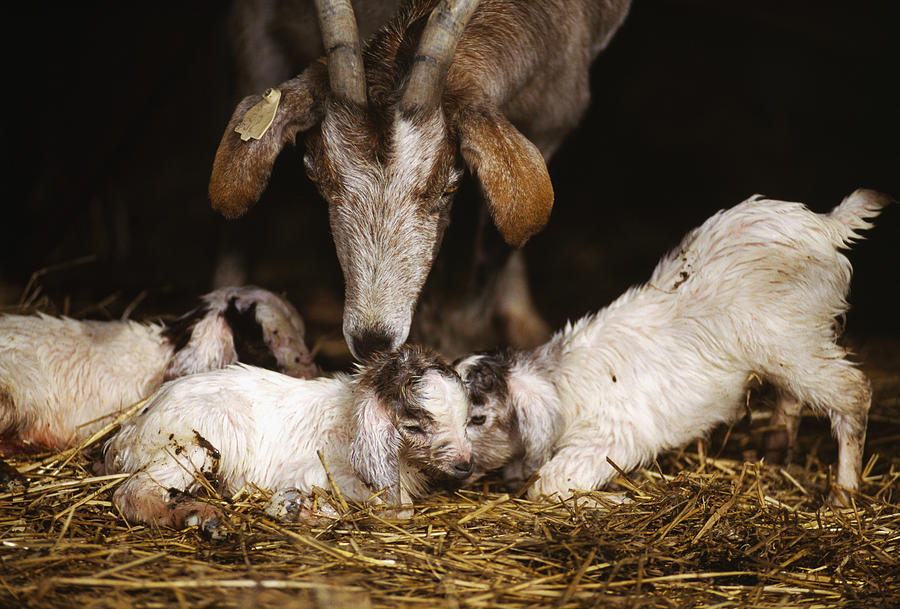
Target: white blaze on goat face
x=445, y=401
x=416, y=149
x=388, y=209
x=751, y=294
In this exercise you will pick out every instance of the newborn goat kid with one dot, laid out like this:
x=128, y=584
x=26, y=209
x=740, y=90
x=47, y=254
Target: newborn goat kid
x=61, y=379
x=396, y=424
x=755, y=290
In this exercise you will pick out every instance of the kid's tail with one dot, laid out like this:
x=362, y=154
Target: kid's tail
x=854, y=211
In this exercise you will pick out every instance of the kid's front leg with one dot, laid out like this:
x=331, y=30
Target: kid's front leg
x=574, y=468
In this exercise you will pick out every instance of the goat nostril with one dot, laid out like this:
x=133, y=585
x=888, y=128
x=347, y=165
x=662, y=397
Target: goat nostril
x=462, y=469
x=367, y=343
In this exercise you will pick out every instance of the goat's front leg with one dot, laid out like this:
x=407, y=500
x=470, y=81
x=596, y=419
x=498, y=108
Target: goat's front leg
x=577, y=466
x=850, y=431
x=514, y=309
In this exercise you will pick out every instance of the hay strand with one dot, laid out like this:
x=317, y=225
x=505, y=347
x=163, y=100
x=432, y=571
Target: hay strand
x=700, y=528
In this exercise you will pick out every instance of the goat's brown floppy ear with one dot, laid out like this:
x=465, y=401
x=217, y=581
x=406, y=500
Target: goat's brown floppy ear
x=511, y=171
x=241, y=169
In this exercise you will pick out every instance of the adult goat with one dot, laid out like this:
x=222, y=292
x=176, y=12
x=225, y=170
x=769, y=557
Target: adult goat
x=496, y=85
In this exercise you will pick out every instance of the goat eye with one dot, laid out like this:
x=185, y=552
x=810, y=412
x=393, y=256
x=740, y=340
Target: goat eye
x=413, y=429
x=309, y=167
x=439, y=204
x=478, y=419
x=451, y=188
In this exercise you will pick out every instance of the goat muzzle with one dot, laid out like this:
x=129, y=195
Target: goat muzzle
x=462, y=469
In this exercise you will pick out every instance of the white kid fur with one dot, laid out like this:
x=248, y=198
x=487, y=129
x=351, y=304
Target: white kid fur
x=756, y=290
x=61, y=379
x=248, y=426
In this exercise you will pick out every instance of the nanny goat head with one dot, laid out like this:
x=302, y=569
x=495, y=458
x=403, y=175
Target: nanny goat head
x=389, y=128
x=753, y=293
x=61, y=380
x=389, y=430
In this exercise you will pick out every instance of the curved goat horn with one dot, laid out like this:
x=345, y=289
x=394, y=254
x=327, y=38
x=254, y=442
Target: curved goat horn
x=341, y=40
x=435, y=53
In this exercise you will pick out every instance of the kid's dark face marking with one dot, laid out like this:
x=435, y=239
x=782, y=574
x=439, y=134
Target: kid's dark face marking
x=393, y=378
x=486, y=379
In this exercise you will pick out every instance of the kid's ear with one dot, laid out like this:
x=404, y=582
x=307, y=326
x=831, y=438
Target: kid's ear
x=538, y=424
x=211, y=346
x=374, y=452
x=511, y=171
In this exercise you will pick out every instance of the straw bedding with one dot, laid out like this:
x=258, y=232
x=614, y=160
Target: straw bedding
x=710, y=526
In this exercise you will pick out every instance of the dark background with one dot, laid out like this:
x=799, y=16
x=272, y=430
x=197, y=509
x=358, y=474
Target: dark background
x=114, y=114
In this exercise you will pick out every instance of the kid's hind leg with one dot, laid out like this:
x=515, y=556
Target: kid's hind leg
x=837, y=388
x=144, y=499
x=158, y=494
x=850, y=431
x=785, y=423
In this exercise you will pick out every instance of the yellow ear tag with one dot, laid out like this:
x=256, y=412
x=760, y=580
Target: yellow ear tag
x=259, y=118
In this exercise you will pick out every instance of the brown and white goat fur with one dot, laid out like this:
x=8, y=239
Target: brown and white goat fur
x=494, y=86
x=753, y=292
x=63, y=379
x=394, y=426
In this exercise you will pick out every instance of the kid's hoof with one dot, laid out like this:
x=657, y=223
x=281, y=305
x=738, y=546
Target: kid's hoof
x=285, y=505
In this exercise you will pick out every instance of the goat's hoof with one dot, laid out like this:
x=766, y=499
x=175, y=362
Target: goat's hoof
x=11, y=480
x=839, y=498
x=286, y=505
x=210, y=526
x=214, y=529
x=295, y=506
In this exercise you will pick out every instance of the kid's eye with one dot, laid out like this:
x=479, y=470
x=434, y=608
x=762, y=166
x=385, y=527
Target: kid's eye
x=413, y=429
x=477, y=420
